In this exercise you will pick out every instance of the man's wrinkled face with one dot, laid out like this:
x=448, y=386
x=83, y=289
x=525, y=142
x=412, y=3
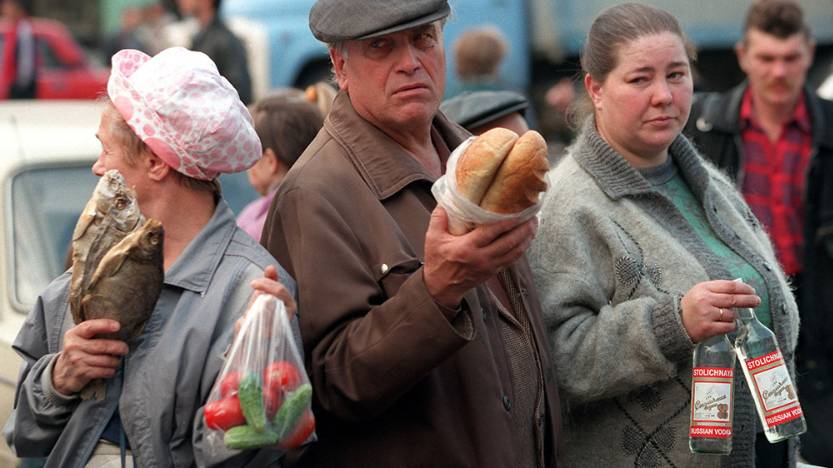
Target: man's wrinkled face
x=776, y=68
x=394, y=81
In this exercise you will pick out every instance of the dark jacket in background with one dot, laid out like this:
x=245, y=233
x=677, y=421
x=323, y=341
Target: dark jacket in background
x=227, y=51
x=397, y=382
x=714, y=128
x=19, y=51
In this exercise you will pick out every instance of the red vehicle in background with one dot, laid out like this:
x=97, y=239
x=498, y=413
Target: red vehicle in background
x=63, y=70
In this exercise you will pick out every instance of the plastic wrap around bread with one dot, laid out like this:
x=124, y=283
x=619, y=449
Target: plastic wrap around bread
x=493, y=177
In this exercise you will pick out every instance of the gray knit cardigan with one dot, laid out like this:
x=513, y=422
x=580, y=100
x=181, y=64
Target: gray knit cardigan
x=611, y=261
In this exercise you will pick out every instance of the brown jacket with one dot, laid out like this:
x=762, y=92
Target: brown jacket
x=395, y=382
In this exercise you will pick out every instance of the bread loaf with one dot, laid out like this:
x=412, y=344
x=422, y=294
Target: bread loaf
x=520, y=178
x=477, y=166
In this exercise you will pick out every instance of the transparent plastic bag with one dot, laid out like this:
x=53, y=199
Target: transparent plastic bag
x=463, y=214
x=262, y=396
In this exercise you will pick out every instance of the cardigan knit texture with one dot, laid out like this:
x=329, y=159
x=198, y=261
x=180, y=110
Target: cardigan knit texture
x=611, y=261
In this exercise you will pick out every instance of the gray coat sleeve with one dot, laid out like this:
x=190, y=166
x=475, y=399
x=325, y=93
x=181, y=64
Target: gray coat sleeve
x=40, y=413
x=602, y=347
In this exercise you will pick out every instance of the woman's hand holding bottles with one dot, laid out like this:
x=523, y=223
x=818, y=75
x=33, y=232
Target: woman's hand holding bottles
x=707, y=307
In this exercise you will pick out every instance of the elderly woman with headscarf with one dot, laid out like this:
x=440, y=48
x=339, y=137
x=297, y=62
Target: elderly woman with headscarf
x=171, y=125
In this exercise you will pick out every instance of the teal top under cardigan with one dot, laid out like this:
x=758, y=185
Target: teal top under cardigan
x=667, y=180
x=611, y=260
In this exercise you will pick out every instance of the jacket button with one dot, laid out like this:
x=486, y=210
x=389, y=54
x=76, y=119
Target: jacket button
x=384, y=268
x=703, y=125
x=507, y=403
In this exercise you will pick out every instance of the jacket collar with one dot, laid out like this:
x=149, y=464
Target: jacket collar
x=199, y=261
x=723, y=114
x=615, y=175
x=383, y=164
x=822, y=121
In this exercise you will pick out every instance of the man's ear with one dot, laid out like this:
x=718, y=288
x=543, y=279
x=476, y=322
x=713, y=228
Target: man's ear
x=811, y=48
x=594, y=90
x=740, y=52
x=338, y=62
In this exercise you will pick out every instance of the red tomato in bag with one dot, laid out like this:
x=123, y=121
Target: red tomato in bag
x=281, y=375
x=224, y=414
x=230, y=384
x=301, y=432
x=272, y=400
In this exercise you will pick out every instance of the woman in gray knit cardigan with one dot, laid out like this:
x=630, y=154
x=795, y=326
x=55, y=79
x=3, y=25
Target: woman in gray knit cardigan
x=638, y=241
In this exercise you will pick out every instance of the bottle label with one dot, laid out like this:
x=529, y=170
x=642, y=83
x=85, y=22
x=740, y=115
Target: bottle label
x=711, y=403
x=774, y=388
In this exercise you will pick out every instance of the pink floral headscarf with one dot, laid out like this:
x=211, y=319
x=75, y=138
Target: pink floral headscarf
x=181, y=107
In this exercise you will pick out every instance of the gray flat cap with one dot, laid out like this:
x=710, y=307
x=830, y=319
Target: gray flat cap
x=341, y=20
x=472, y=110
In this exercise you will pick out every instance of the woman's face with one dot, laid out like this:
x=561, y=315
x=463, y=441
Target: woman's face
x=113, y=154
x=644, y=102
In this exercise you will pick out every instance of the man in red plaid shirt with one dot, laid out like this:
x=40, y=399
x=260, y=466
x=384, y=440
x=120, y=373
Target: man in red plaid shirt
x=774, y=137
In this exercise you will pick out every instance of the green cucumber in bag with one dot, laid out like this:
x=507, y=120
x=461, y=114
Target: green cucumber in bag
x=247, y=437
x=292, y=409
x=251, y=401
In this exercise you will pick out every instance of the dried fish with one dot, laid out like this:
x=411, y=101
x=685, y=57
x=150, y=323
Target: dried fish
x=127, y=282
x=125, y=288
x=111, y=213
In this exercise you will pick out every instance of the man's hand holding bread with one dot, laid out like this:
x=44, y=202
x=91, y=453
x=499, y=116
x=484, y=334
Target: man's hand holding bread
x=503, y=174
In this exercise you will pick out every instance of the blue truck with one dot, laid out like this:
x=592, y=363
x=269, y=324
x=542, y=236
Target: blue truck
x=545, y=37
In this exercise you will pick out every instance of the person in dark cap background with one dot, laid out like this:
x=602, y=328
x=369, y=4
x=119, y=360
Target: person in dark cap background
x=480, y=111
x=424, y=348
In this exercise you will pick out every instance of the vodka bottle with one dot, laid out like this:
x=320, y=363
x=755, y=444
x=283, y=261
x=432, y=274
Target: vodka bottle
x=712, y=405
x=766, y=374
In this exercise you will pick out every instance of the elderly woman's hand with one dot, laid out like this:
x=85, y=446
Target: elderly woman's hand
x=85, y=357
x=707, y=307
x=269, y=284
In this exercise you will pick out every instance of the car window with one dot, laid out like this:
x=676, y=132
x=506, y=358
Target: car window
x=47, y=56
x=46, y=203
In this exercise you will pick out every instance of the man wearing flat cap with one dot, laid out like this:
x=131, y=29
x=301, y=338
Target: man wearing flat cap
x=424, y=348
x=480, y=111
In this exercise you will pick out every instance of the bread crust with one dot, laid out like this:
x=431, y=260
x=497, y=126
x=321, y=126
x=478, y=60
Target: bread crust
x=478, y=165
x=521, y=177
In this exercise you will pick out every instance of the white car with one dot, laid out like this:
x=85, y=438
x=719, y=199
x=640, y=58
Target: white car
x=46, y=152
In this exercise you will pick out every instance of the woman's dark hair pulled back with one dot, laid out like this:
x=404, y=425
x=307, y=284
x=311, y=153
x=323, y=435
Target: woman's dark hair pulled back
x=619, y=25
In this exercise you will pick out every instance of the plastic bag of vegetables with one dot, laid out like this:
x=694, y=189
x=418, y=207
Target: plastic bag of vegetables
x=262, y=395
